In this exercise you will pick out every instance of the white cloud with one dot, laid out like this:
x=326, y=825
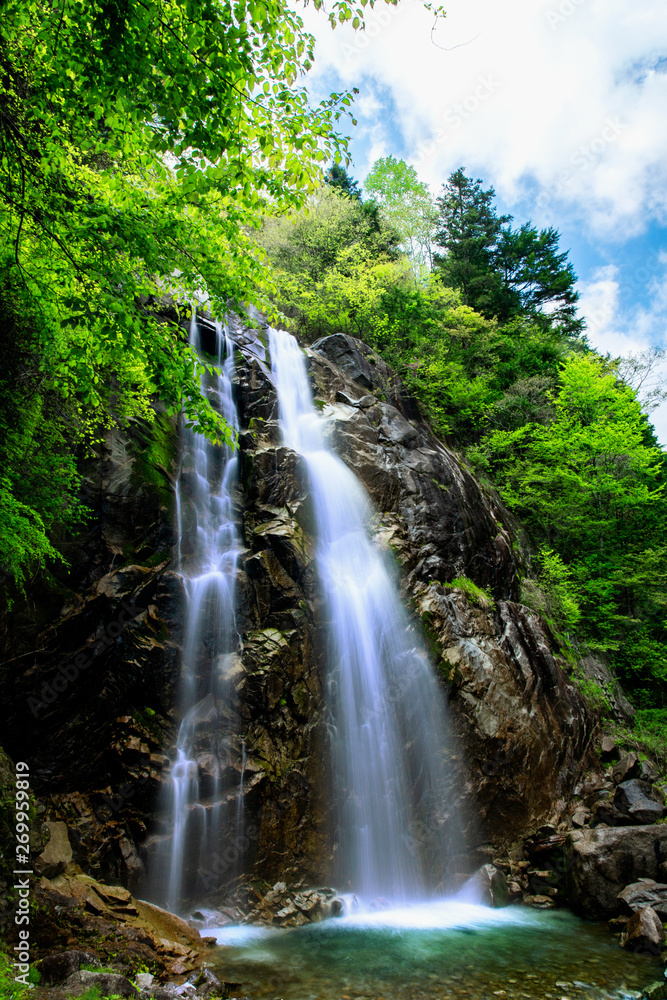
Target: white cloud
x=567, y=95
x=614, y=330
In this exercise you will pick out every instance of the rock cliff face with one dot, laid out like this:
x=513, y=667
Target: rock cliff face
x=524, y=730
x=96, y=739
x=91, y=661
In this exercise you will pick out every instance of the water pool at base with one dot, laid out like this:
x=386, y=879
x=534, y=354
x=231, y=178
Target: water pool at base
x=431, y=952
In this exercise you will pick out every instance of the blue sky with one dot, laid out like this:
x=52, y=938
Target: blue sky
x=561, y=105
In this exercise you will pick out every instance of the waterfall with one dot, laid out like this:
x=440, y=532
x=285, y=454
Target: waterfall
x=199, y=803
x=393, y=798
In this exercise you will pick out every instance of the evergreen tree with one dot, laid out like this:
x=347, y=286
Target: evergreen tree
x=501, y=271
x=469, y=231
x=338, y=177
x=535, y=278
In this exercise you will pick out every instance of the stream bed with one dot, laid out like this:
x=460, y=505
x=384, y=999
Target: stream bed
x=431, y=952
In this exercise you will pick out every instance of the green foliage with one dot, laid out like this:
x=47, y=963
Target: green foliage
x=333, y=259
x=647, y=736
x=140, y=146
x=589, y=489
x=406, y=204
x=337, y=177
x=556, y=596
x=9, y=988
x=594, y=694
x=500, y=271
x=476, y=595
x=468, y=232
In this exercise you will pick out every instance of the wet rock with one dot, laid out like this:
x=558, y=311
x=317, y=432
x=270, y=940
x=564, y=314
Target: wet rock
x=57, y=854
x=656, y=991
x=525, y=730
x=203, y=918
x=487, y=886
x=640, y=801
x=107, y=983
x=626, y=768
x=207, y=984
x=125, y=929
x=643, y=802
x=602, y=861
x=608, y=749
x=645, y=892
x=539, y=902
x=57, y=968
x=644, y=932
x=287, y=907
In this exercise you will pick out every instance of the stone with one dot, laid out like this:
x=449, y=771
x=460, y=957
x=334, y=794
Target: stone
x=640, y=801
x=605, y=811
x=608, y=749
x=648, y=771
x=626, y=768
x=58, y=852
x=581, y=816
x=602, y=861
x=540, y=902
x=144, y=980
x=109, y=984
x=514, y=891
x=656, y=991
x=645, y=892
x=644, y=932
x=487, y=886
x=208, y=985
x=57, y=968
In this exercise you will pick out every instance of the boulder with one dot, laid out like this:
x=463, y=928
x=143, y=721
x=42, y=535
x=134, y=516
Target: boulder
x=108, y=983
x=640, y=801
x=645, y=892
x=119, y=927
x=487, y=886
x=57, y=968
x=626, y=768
x=286, y=907
x=608, y=749
x=644, y=932
x=208, y=985
x=656, y=991
x=581, y=816
x=57, y=854
x=602, y=861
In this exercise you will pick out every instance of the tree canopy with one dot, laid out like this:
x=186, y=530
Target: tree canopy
x=140, y=145
x=406, y=204
x=501, y=271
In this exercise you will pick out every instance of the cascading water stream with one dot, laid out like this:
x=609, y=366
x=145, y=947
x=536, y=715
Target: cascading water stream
x=198, y=794
x=393, y=797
